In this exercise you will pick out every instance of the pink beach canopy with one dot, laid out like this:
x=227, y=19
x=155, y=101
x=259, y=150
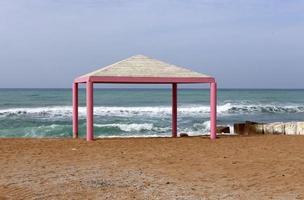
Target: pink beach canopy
x=140, y=69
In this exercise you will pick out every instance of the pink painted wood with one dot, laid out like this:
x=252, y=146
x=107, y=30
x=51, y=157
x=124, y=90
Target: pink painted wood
x=213, y=105
x=174, y=110
x=90, y=111
x=75, y=110
x=144, y=80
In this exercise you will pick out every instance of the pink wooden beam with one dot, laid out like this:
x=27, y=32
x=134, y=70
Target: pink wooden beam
x=147, y=80
x=174, y=110
x=75, y=110
x=90, y=111
x=213, y=104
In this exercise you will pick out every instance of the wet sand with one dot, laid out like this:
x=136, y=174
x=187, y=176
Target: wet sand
x=255, y=167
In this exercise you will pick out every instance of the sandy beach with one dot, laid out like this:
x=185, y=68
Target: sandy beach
x=255, y=167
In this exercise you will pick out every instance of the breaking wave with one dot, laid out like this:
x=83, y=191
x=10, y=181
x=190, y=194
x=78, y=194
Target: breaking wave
x=146, y=129
x=189, y=110
x=52, y=130
x=127, y=121
x=104, y=130
x=233, y=108
x=128, y=127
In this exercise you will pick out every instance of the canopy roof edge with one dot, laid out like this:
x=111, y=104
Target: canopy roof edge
x=147, y=80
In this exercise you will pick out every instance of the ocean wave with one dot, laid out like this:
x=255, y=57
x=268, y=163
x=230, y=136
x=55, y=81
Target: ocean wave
x=197, y=128
x=233, y=108
x=134, y=127
x=134, y=136
x=52, y=130
x=105, y=130
x=188, y=110
x=128, y=127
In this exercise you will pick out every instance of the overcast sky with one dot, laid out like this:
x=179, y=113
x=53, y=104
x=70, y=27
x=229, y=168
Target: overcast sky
x=244, y=44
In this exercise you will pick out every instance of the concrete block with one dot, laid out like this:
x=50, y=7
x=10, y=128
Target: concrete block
x=268, y=129
x=239, y=128
x=300, y=128
x=249, y=127
x=278, y=128
x=291, y=128
x=256, y=129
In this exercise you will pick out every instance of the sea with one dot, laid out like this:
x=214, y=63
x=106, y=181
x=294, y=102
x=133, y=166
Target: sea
x=140, y=112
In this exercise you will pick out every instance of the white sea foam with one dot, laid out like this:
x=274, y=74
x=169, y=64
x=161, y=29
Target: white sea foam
x=131, y=130
x=123, y=130
x=128, y=127
x=188, y=110
x=196, y=129
x=134, y=136
x=38, y=131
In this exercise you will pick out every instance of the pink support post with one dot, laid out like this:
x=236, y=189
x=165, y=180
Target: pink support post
x=75, y=110
x=90, y=111
x=174, y=110
x=213, y=104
